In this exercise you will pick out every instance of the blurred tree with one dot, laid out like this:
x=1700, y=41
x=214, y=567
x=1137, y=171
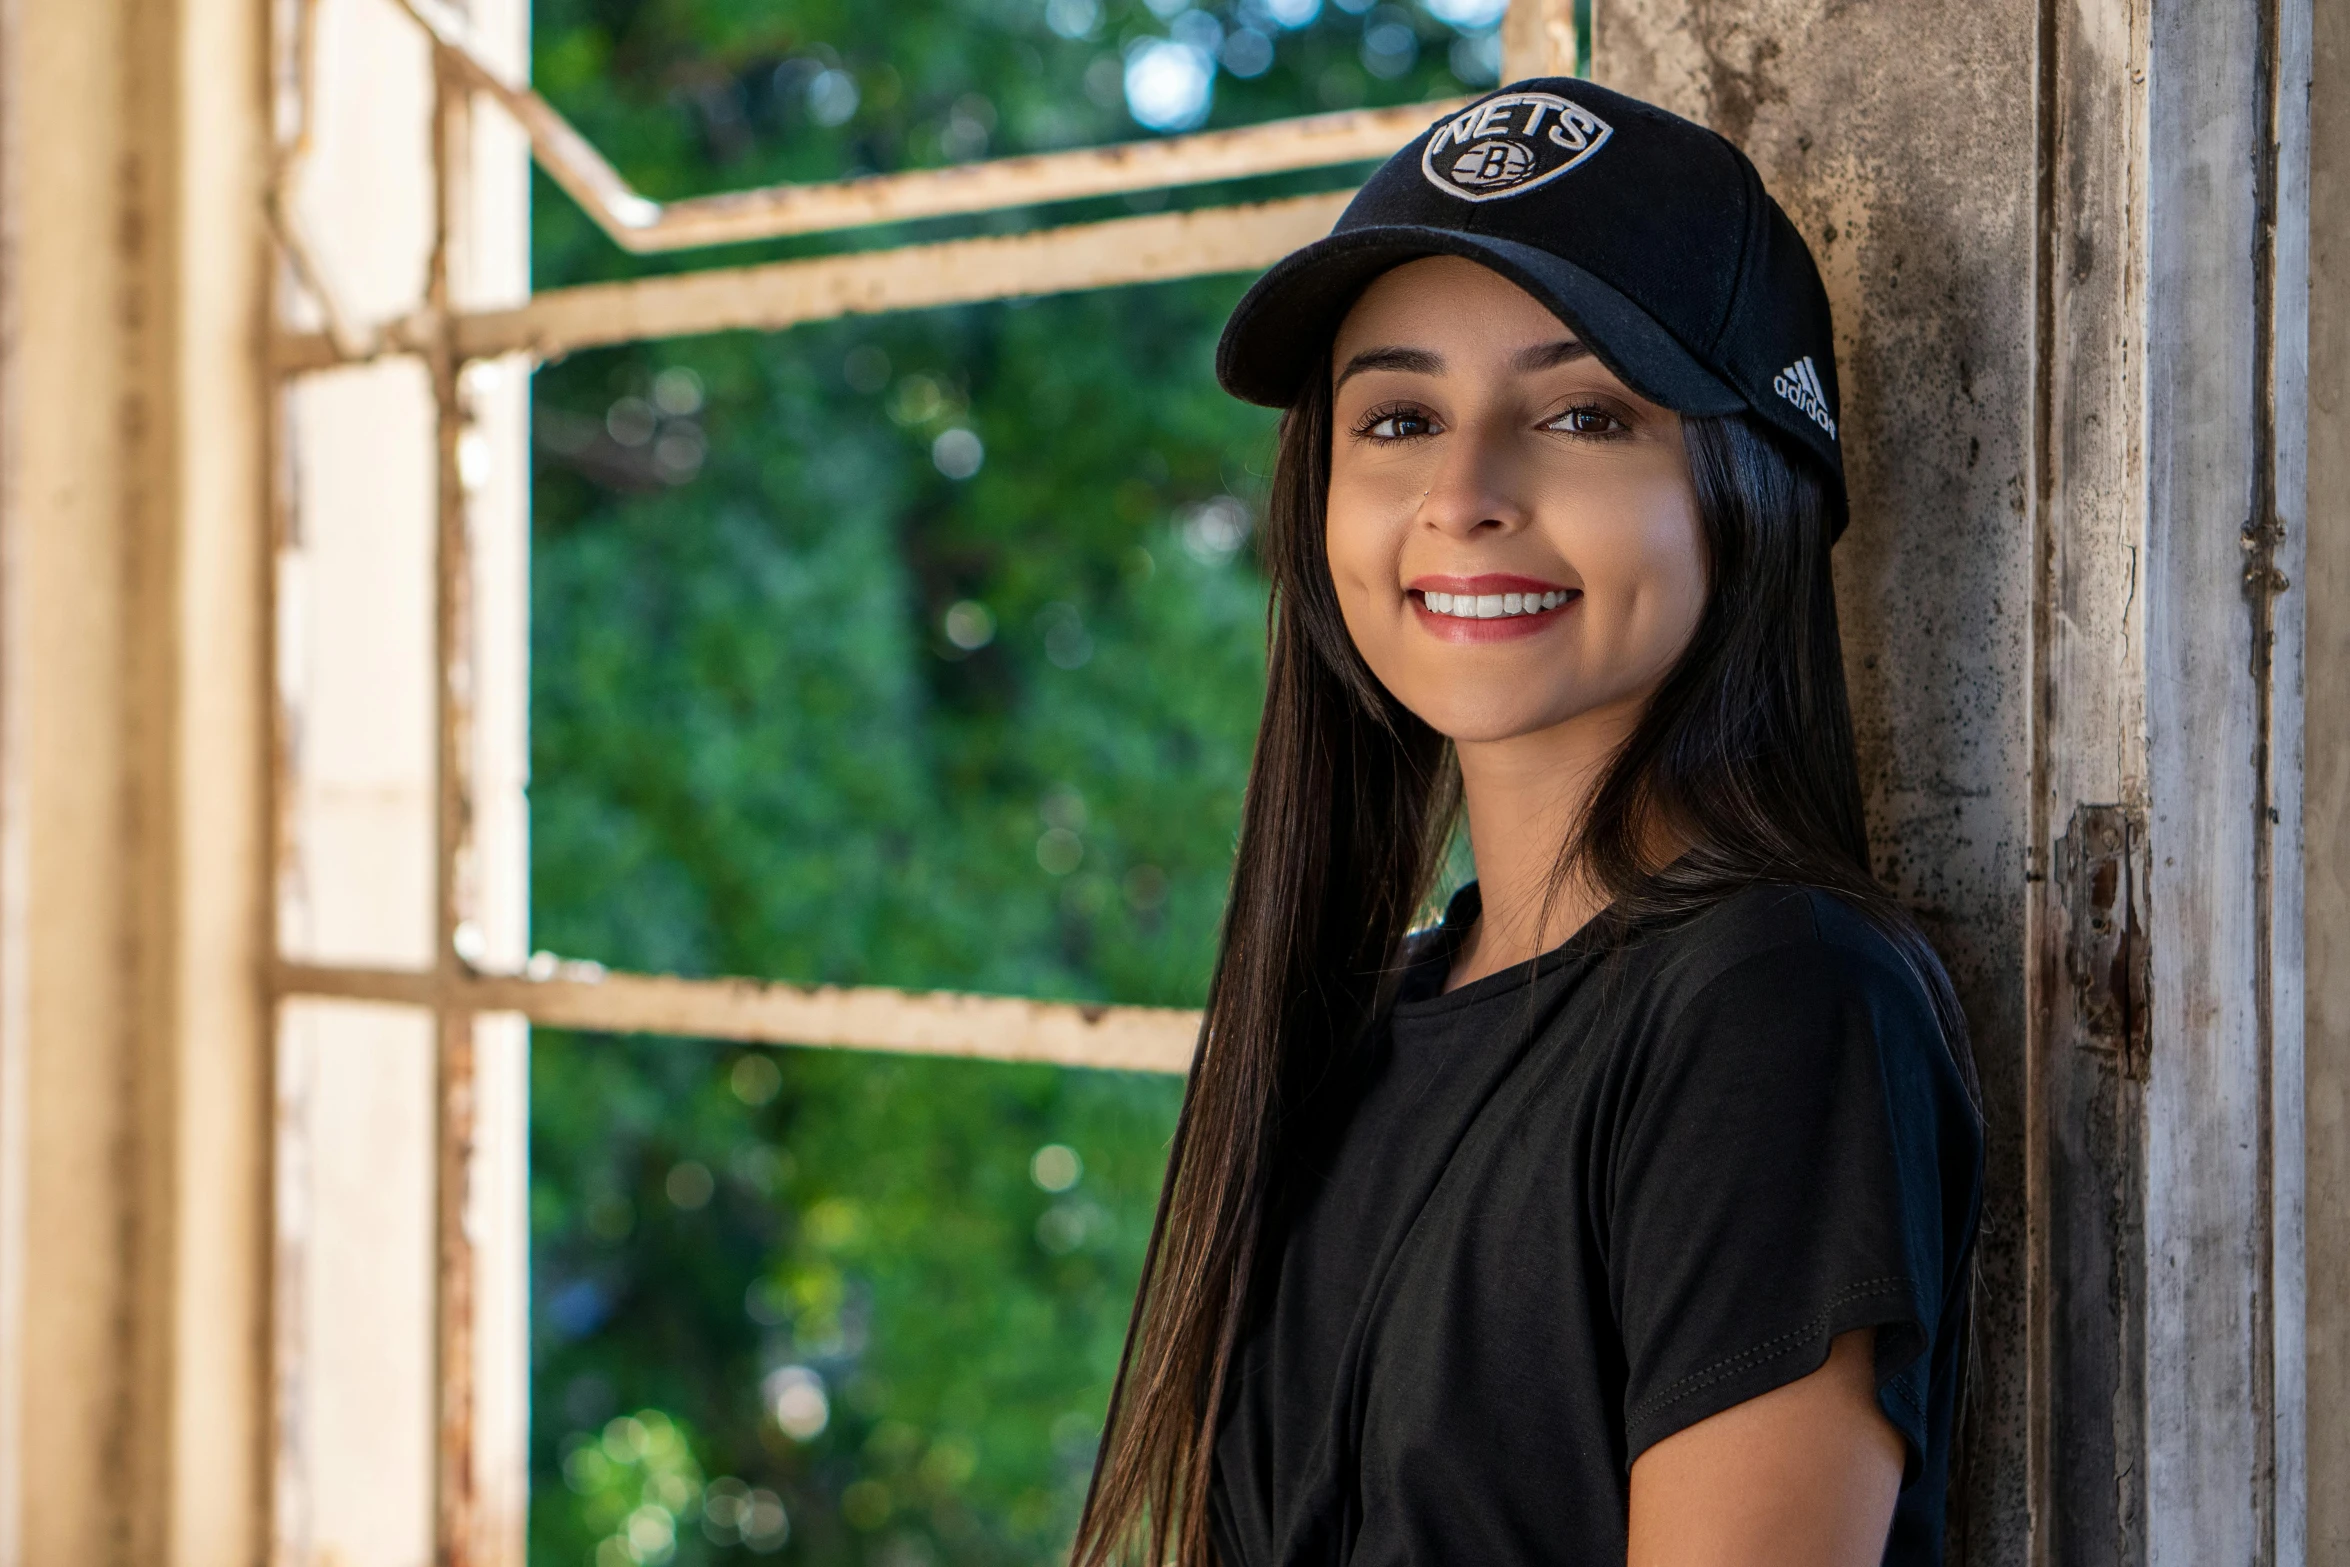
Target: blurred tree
x=919, y=650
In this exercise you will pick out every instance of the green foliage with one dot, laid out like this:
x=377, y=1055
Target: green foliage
x=919, y=650
x=758, y=748
x=860, y=1247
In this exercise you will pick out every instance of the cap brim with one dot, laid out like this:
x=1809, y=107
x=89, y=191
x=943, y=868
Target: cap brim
x=1279, y=331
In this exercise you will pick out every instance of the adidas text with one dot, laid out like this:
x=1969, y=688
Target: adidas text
x=1799, y=383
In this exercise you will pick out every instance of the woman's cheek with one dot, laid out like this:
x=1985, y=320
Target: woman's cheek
x=1362, y=548
x=1646, y=582
x=1363, y=569
x=1373, y=635
x=1676, y=569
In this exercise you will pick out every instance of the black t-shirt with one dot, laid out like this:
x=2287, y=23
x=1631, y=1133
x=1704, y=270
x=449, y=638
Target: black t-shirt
x=1525, y=1232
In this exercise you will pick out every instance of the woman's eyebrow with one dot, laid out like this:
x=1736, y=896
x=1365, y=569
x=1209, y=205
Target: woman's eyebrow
x=1421, y=361
x=1418, y=361
x=1549, y=356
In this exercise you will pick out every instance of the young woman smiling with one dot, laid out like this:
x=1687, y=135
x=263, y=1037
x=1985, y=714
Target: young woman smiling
x=1625, y=1215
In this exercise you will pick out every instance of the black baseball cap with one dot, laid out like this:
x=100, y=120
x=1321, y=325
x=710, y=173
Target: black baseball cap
x=1648, y=235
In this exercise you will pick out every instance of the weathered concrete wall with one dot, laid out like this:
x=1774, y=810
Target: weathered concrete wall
x=2066, y=243
x=1901, y=140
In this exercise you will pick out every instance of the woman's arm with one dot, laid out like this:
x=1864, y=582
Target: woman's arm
x=1803, y=1476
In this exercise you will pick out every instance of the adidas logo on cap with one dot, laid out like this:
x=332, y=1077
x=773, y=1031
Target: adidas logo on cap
x=1799, y=383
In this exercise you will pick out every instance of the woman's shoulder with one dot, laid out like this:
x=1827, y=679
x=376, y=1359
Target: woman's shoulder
x=1779, y=994
x=1782, y=944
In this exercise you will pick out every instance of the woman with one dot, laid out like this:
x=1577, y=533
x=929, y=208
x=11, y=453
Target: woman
x=1626, y=1214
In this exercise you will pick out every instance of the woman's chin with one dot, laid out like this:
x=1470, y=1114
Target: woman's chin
x=1500, y=720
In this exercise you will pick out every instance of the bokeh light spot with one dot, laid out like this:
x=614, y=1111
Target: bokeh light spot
x=1056, y=1167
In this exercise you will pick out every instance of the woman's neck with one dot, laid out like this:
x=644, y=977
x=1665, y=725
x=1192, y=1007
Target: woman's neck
x=1525, y=798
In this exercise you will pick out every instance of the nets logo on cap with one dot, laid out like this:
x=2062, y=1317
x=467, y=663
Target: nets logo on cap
x=1510, y=143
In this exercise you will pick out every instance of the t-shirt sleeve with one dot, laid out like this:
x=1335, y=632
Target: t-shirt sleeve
x=1788, y=1147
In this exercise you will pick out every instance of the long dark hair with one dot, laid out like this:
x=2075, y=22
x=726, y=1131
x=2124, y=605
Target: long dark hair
x=1746, y=753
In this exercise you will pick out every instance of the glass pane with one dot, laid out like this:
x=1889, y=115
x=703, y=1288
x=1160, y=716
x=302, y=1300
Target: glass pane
x=353, y=1329
x=846, y=1308
x=363, y=195
x=922, y=651
x=355, y=668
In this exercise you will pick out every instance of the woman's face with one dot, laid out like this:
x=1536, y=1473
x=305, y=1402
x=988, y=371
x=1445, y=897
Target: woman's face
x=1512, y=531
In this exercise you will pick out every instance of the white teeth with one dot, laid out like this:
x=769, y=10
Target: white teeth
x=1492, y=606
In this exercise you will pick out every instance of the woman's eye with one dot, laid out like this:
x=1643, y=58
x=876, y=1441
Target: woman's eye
x=1399, y=425
x=1588, y=421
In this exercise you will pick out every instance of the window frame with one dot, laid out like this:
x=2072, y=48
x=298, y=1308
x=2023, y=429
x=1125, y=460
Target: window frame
x=448, y=337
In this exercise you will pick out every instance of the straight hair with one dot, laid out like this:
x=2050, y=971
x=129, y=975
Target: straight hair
x=1745, y=753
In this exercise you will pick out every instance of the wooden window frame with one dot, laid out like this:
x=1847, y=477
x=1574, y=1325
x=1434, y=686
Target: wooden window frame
x=448, y=338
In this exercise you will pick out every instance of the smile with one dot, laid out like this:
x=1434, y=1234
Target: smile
x=1493, y=606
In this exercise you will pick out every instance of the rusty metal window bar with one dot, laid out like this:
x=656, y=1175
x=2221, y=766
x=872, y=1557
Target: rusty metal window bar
x=1153, y=248
x=454, y=989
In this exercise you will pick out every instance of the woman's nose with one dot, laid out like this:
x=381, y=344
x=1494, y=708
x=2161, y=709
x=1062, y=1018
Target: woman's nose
x=1474, y=489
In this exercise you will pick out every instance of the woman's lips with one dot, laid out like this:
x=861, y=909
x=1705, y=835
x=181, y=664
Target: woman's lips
x=1492, y=607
